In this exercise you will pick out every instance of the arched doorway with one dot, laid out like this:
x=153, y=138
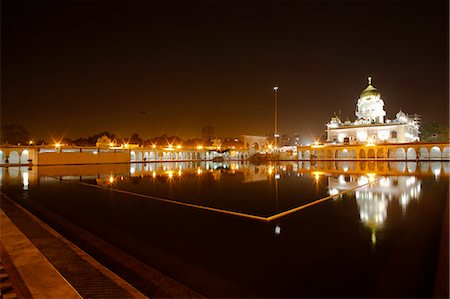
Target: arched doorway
x=24, y=157
x=380, y=154
x=14, y=157
x=371, y=153
x=2, y=157
x=446, y=153
x=132, y=156
x=344, y=153
x=400, y=154
x=423, y=153
x=411, y=154
x=435, y=153
x=352, y=154
x=362, y=154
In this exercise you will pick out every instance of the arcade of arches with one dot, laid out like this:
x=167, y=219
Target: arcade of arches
x=411, y=151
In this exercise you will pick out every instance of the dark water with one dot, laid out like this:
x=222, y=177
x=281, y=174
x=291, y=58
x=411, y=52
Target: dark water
x=369, y=240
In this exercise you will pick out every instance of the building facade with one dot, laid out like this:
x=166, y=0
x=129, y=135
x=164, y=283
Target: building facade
x=371, y=125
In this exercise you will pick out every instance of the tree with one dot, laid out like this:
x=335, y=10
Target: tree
x=135, y=139
x=14, y=134
x=434, y=131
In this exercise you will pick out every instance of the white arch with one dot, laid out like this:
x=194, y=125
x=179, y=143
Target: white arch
x=139, y=156
x=446, y=153
x=435, y=153
x=344, y=154
x=352, y=154
x=411, y=154
x=299, y=155
x=2, y=157
x=400, y=153
x=24, y=157
x=14, y=157
x=423, y=153
x=146, y=155
x=132, y=156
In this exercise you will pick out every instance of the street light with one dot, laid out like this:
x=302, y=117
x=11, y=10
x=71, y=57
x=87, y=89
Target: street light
x=276, y=117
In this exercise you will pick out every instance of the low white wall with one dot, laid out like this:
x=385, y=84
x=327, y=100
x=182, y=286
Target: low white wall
x=82, y=158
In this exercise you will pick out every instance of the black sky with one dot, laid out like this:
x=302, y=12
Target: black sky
x=78, y=68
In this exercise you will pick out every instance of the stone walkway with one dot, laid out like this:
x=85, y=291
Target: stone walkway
x=49, y=266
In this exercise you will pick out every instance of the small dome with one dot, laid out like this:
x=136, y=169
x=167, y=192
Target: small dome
x=400, y=114
x=370, y=90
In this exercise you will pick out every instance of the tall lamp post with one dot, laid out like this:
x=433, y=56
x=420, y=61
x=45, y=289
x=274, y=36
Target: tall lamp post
x=276, y=117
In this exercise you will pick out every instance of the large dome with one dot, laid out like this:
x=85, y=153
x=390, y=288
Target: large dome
x=370, y=90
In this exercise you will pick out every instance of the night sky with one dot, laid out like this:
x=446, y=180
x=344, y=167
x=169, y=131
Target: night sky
x=75, y=69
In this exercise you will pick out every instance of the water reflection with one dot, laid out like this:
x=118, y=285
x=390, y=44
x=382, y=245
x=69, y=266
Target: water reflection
x=397, y=182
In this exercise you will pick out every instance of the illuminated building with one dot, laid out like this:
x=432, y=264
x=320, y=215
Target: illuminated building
x=371, y=124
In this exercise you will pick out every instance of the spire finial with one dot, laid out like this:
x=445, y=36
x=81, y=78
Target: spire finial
x=370, y=80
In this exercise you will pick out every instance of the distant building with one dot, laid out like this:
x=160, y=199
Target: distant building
x=371, y=125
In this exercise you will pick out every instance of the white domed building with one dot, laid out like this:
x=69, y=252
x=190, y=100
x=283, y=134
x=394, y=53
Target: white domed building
x=371, y=126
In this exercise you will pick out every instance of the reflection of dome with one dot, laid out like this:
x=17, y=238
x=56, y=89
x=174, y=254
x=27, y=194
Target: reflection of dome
x=370, y=90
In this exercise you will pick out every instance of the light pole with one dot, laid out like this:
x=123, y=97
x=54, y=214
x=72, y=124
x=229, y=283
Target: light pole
x=276, y=118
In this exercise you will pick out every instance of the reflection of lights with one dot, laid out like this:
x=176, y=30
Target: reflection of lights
x=371, y=177
x=316, y=175
x=345, y=168
x=199, y=147
x=270, y=170
x=154, y=174
x=277, y=230
x=132, y=169
x=111, y=179
x=277, y=176
x=25, y=181
x=362, y=180
x=199, y=170
x=179, y=172
x=170, y=174
x=333, y=191
x=384, y=182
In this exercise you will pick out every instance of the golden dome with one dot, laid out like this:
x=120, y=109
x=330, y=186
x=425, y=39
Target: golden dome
x=370, y=90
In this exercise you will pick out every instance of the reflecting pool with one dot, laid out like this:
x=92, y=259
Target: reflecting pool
x=234, y=229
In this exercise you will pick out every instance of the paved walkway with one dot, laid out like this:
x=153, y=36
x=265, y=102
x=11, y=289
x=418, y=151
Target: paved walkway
x=41, y=264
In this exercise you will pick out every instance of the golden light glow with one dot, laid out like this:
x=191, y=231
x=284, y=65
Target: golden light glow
x=199, y=147
x=370, y=142
x=154, y=146
x=316, y=175
x=371, y=177
x=125, y=145
x=170, y=174
x=270, y=170
x=154, y=174
x=199, y=170
x=111, y=144
x=179, y=172
x=179, y=146
x=30, y=142
x=111, y=179
x=57, y=145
